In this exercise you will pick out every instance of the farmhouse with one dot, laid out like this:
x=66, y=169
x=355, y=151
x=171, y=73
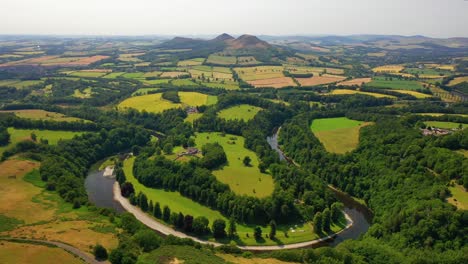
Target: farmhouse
x=436, y=132
x=189, y=151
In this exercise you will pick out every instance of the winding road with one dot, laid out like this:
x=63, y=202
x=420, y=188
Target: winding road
x=70, y=249
x=166, y=230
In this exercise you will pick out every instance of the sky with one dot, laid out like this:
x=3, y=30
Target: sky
x=434, y=18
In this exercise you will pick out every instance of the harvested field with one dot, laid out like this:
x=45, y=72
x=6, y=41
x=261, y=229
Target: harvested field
x=279, y=82
x=319, y=80
x=358, y=82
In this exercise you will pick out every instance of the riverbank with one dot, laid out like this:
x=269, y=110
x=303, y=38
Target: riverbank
x=166, y=230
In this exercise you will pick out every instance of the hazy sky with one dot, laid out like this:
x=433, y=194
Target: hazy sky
x=438, y=18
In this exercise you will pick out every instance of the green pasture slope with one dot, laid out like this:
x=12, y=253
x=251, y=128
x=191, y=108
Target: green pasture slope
x=394, y=83
x=242, y=112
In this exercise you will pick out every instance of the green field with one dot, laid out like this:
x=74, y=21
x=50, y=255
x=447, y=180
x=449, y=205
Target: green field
x=89, y=74
x=394, y=83
x=459, y=196
x=53, y=136
x=114, y=75
x=155, y=104
x=446, y=125
x=20, y=84
x=426, y=72
x=241, y=179
x=174, y=200
x=338, y=135
x=184, y=82
x=223, y=60
x=242, y=112
x=302, y=231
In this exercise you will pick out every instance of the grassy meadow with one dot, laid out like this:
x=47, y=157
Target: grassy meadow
x=53, y=219
x=240, y=178
x=155, y=103
x=394, y=83
x=338, y=135
x=459, y=196
x=53, y=136
x=346, y=91
x=296, y=233
x=242, y=112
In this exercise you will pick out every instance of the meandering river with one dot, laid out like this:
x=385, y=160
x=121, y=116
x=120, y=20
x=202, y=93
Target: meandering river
x=360, y=214
x=100, y=192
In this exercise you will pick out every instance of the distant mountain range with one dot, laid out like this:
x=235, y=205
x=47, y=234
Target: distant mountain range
x=225, y=40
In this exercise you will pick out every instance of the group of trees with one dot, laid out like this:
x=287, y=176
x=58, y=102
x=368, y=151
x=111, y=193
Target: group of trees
x=4, y=136
x=323, y=220
x=402, y=175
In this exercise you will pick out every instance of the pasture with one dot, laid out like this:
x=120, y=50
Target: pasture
x=244, y=180
x=346, y=91
x=22, y=253
x=242, y=112
x=394, y=83
x=338, y=135
x=88, y=74
x=319, y=80
x=221, y=60
x=53, y=136
x=38, y=114
x=446, y=125
x=155, y=104
x=57, y=61
x=459, y=196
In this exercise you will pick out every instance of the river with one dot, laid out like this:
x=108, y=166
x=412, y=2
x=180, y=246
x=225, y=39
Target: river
x=100, y=190
x=360, y=214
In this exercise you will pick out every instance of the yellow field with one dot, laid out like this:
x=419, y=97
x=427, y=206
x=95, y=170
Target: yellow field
x=242, y=260
x=413, y=93
x=21, y=253
x=191, y=62
x=155, y=104
x=458, y=80
x=43, y=214
x=389, y=68
x=313, y=70
x=346, y=91
x=20, y=194
x=130, y=57
x=41, y=114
